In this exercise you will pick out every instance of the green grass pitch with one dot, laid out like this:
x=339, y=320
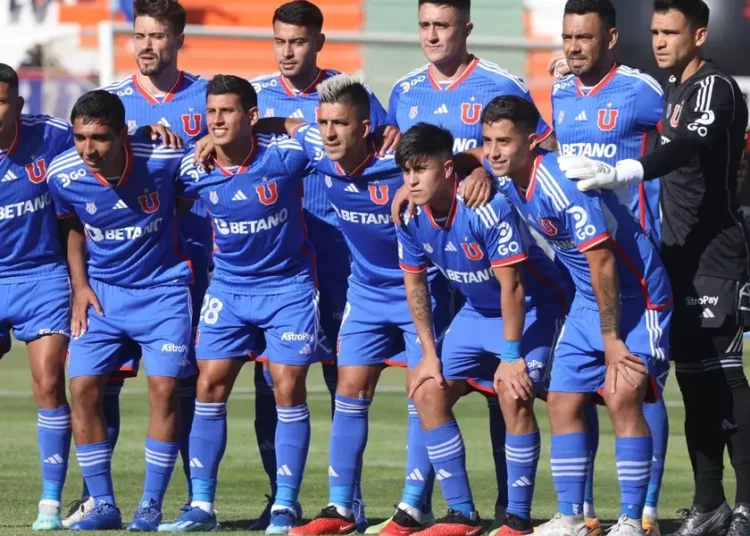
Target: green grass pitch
x=243, y=484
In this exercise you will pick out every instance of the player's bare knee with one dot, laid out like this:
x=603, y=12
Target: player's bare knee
x=212, y=389
x=516, y=413
x=49, y=391
x=357, y=382
x=163, y=392
x=625, y=407
x=565, y=410
x=86, y=396
x=290, y=390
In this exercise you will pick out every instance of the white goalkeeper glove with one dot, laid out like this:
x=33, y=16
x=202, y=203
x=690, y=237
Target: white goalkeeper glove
x=593, y=174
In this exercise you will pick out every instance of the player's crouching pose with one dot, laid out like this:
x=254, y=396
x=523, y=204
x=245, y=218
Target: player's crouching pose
x=620, y=284
x=122, y=194
x=510, y=286
x=34, y=287
x=263, y=287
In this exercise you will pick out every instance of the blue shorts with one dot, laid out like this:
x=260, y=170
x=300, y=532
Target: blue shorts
x=34, y=309
x=472, y=344
x=579, y=366
x=131, y=353
x=377, y=325
x=237, y=326
x=157, y=320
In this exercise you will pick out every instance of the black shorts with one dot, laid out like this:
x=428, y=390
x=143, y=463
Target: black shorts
x=707, y=325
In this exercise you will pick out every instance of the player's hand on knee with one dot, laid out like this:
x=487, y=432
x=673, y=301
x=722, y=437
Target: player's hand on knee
x=83, y=299
x=400, y=201
x=204, y=151
x=166, y=135
x=387, y=139
x=514, y=375
x=429, y=368
x=476, y=188
x=623, y=368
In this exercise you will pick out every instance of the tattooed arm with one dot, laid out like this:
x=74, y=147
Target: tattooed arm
x=606, y=287
x=420, y=305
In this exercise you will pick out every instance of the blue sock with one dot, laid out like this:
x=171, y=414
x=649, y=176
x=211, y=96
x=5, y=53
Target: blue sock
x=95, y=461
x=160, y=459
x=348, y=441
x=208, y=440
x=522, y=453
x=428, y=489
x=497, y=438
x=658, y=422
x=265, y=422
x=292, y=444
x=633, y=457
x=569, y=455
x=591, y=415
x=53, y=437
x=445, y=447
x=111, y=407
x=187, y=411
x=418, y=465
x=358, y=481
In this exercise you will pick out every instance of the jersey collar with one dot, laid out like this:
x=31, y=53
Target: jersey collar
x=451, y=213
x=598, y=87
x=453, y=85
x=532, y=179
x=14, y=143
x=153, y=100
x=123, y=180
x=291, y=92
x=357, y=171
x=245, y=164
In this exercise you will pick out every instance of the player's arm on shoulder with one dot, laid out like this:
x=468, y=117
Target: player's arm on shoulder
x=278, y=125
x=188, y=182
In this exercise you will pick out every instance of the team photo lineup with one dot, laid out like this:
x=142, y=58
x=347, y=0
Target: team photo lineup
x=187, y=226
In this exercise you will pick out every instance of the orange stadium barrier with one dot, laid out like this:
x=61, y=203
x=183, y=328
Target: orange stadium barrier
x=207, y=56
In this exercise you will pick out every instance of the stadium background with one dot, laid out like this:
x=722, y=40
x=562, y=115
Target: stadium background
x=64, y=48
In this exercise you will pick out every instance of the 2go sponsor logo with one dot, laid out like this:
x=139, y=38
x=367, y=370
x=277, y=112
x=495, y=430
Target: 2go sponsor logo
x=583, y=228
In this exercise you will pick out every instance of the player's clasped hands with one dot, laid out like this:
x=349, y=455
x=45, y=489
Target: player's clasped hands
x=515, y=376
x=623, y=368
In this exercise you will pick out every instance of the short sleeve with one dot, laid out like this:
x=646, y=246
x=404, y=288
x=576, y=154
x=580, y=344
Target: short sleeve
x=294, y=157
x=63, y=207
x=378, y=115
x=410, y=257
x=650, y=104
x=583, y=215
x=497, y=226
x=709, y=111
x=392, y=118
x=309, y=138
x=188, y=178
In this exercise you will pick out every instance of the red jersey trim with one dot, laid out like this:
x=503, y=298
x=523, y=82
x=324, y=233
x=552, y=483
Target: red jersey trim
x=412, y=269
x=123, y=180
x=453, y=85
x=515, y=259
x=532, y=179
x=245, y=163
x=598, y=87
x=357, y=171
x=291, y=92
x=153, y=100
x=592, y=242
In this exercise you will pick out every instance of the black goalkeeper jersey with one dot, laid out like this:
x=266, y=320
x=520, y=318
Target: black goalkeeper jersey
x=703, y=231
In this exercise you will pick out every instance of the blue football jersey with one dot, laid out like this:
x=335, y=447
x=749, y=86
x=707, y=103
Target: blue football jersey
x=277, y=98
x=183, y=110
x=614, y=120
x=362, y=202
x=470, y=243
x=572, y=222
x=131, y=227
x=456, y=106
x=261, y=244
x=29, y=236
